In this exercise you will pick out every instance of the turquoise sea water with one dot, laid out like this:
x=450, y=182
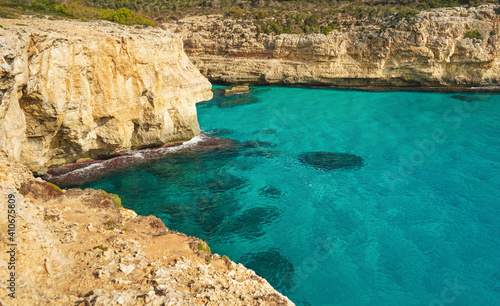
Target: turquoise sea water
x=417, y=223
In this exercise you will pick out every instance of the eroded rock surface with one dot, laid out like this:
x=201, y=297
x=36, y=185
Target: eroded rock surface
x=76, y=248
x=430, y=50
x=72, y=90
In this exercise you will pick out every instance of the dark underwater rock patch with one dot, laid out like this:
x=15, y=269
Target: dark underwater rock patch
x=266, y=131
x=331, y=161
x=270, y=191
x=213, y=211
x=224, y=182
x=257, y=144
x=250, y=224
x=469, y=98
x=238, y=101
x=273, y=266
x=260, y=153
x=220, y=132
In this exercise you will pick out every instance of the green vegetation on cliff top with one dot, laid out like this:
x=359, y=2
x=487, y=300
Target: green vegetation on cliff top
x=72, y=9
x=280, y=16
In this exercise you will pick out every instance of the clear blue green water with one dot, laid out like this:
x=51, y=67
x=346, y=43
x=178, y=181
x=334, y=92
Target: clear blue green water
x=417, y=224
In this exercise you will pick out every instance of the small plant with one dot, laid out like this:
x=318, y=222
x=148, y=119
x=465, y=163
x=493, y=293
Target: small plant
x=51, y=217
x=115, y=198
x=55, y=187
x=100, y=247
x=228, y=262
x=473, y=34
x=209, y=260
x=125, y=229
x=200, y=246
x=207, y=250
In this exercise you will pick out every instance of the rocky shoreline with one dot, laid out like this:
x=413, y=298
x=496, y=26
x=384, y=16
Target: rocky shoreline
x=442, y=48
x=75, y=247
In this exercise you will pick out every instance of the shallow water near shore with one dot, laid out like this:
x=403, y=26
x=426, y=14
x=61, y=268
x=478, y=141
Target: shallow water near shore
x=341, y=197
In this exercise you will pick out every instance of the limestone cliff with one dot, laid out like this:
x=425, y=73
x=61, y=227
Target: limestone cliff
x=430, y=50
x=76, y=248
x=71, y=90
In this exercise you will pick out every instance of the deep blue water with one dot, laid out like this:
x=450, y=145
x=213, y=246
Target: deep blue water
x=417, y=222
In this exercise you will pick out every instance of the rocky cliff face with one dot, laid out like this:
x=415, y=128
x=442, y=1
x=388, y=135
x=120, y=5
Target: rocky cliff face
x=73, y=90
x=76, y=248
x=430, y=50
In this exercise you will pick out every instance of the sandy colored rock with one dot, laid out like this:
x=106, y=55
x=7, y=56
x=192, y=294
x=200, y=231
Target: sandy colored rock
x=76, y=248
x=430, y=50
x=237, y=89
x=72, y=90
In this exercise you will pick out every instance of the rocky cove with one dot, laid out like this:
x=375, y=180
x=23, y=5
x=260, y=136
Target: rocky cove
x=75, y=91
x=72, y=91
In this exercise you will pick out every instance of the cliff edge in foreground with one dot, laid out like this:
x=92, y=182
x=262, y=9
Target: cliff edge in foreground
x=73, y=90
x=76, y=248
x=447, y=47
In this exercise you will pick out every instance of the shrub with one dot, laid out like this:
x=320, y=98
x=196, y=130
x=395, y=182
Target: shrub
x=472, y=34
x=237, y=12
x=200, y=246
x=100, y=247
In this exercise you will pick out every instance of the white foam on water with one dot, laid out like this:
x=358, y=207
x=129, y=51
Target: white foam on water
x=195, y=140
x=89, y=168
x=133, y=155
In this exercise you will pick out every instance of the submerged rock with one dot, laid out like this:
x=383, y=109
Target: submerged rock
x=238, y=102
x=266, y=131
x=469, y=98
x=273, y=266
x=237, y=89
x=220, y=132
x=224, y=182
x=250, y=223
x=331, y=161
x=270, y=191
